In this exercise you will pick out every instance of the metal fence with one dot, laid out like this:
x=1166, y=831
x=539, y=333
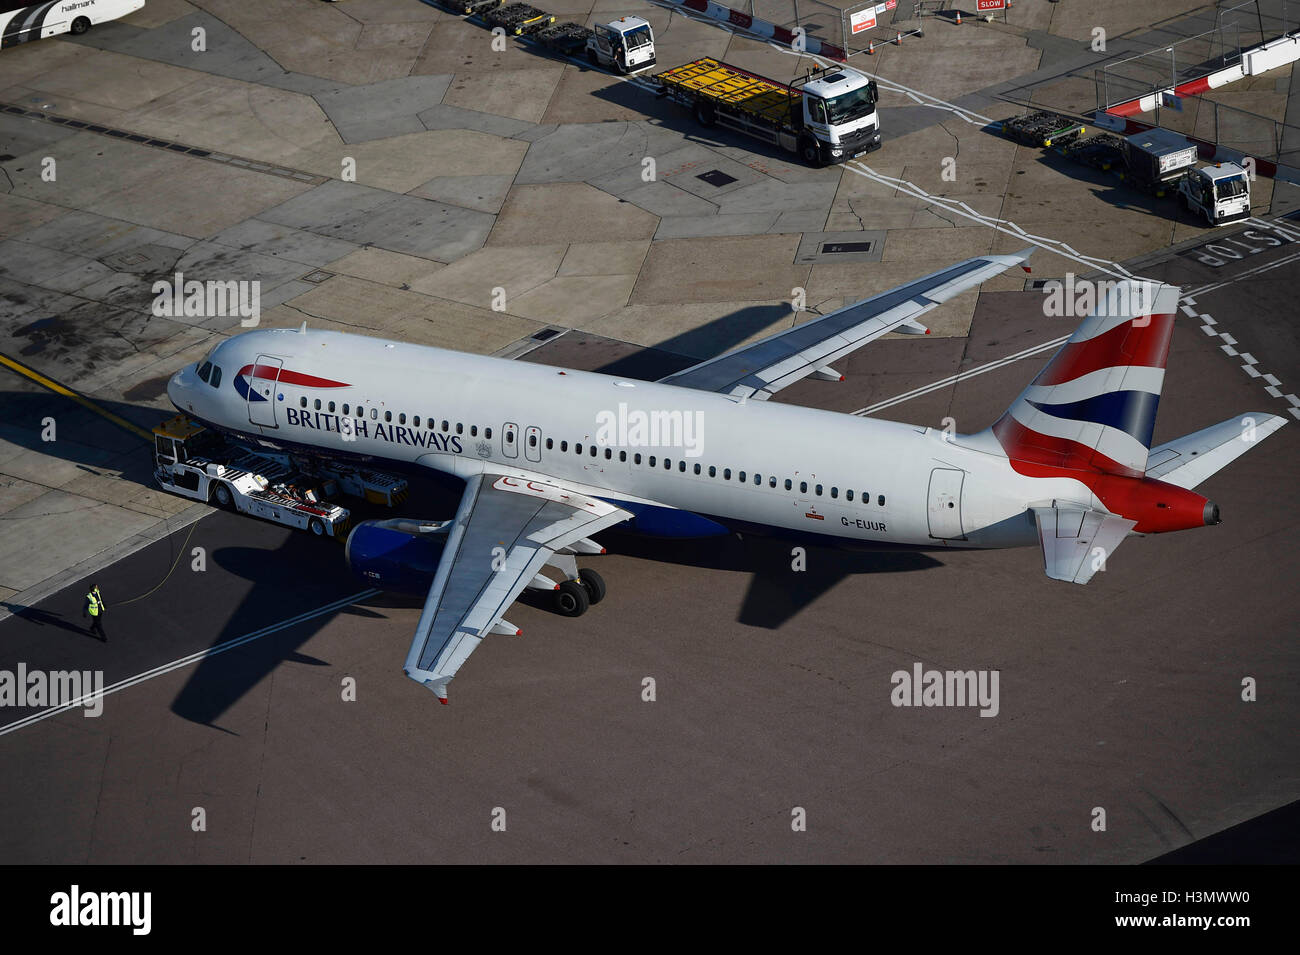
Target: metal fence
x=829, y=19
x=1229, y=28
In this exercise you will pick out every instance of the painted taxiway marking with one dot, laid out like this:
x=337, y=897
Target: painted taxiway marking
x=186, y=661
x=49, y=383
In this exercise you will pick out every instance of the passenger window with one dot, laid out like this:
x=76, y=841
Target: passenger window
x=681, y=466
x=460, y=429
x=758, y=479
x=713, y=471
x=346, y=408
x=803, y=487
x=374, y=414
x=787, y=484
x=668, y=464
x=510, y=437
x=835, y=492
x=697, y=469
x=316, y=404
x=848, y=495
x=881, y=500
x=609, y=454
x=593, y=450
x=577, y=449
x=818, y=490
x=473, y=433
x=564, y=445
x=487, y=433
x=331, y=407
x=388, y=415
x=532, y=440
x=446, y=426
x=550, y=442
x=726, y=474
x=401, y=418
x=636, y=458
x=771, y=482
x=302, y=402
x=622, y=455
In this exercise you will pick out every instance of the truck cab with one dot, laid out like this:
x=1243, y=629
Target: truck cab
x=1220, y=194
x=838, y=115
x=625, y=45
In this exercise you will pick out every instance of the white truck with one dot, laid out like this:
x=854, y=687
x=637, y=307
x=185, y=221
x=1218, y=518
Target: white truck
x=625, y=45
x=193, y=462
x=826, y=116
x=1220, y=194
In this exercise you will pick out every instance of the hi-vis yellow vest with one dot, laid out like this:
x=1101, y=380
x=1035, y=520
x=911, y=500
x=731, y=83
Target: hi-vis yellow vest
x=93, y=597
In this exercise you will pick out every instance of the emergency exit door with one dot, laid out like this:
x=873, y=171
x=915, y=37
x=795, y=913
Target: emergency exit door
x=261, y=391
x=945, y=503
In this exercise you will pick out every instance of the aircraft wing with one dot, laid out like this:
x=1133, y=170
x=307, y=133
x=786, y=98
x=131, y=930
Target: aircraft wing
x=505, y=531
x=1077, y=541
x=1189, y=460
x=765, y=367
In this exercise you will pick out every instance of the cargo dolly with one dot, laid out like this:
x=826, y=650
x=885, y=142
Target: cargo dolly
x=518, y=18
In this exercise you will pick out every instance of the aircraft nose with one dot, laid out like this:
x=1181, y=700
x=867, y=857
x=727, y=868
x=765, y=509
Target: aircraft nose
x=180, y=388
x=1211, y=513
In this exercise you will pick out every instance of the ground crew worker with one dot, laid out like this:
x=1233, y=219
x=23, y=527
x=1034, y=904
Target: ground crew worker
x=95, y=607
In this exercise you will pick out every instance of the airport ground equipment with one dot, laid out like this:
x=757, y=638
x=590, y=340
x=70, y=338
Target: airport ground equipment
x=1043, y=129
x=826, y=116
x=1219, y=194
x=1158, y=162
x=625, y=45
x=518, y=18
x=193, y=462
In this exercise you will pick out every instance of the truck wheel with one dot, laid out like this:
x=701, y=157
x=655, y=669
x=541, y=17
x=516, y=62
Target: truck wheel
x=222, y=496
x=80, y=26
x=571, y=599
x=595, y=585
x=810, y=151
x=704, y=113
x=316, y=526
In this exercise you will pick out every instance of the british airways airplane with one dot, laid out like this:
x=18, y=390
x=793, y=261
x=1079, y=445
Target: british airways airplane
x=552, y=456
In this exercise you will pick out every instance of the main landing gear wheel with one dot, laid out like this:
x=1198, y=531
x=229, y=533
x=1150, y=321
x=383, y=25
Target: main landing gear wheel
x=571, y=599
x=594, y=584
x=221, y=494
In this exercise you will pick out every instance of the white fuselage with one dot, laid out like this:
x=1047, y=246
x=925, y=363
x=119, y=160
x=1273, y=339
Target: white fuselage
x=758, y=463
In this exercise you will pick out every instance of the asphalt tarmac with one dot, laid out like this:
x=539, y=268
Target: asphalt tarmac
x=772, y=690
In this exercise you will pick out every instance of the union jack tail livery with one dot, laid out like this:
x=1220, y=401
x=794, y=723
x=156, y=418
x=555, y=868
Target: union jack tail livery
x=1093, y=408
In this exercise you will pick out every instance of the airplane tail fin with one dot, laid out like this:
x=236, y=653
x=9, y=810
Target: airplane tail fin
x=1093, y=407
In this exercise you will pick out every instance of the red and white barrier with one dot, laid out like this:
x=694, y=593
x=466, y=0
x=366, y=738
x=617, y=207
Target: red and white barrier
x=744, y=21
x=1254, y=61
x=1206, y=150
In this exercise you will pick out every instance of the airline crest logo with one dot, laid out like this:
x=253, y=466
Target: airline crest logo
x=272, y=374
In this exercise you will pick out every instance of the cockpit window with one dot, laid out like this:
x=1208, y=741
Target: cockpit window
x=215, y=380
x=204, y=370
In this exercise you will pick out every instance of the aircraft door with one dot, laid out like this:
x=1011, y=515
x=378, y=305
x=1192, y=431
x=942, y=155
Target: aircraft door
x=510, y=440
x=533, y=443
x=261, y=391
x=945, y=503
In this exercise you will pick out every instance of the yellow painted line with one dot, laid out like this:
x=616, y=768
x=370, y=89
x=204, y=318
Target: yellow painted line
x=34, y=375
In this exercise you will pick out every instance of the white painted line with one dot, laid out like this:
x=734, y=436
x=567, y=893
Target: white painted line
x=186, y=661
x=961, y=376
